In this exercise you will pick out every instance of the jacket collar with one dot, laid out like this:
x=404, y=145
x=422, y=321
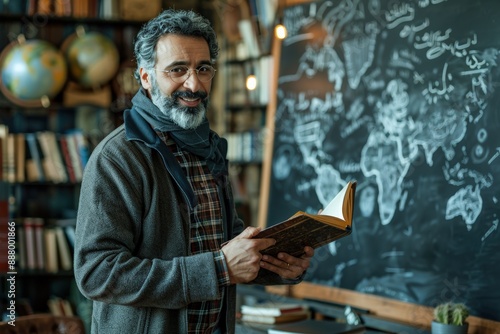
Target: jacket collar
x=137, y=129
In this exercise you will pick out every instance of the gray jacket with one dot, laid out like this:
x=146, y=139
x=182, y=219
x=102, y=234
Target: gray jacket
x=132, y=254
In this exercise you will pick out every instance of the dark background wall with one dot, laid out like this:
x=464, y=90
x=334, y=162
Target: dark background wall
x=401, y=96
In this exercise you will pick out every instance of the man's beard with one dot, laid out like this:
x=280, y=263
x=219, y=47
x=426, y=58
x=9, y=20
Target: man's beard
x=185, y=117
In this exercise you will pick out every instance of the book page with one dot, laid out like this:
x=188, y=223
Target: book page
x=334, y=208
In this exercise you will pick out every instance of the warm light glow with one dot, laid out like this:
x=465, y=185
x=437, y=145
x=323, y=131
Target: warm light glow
x=280, y=31
x=251, y=82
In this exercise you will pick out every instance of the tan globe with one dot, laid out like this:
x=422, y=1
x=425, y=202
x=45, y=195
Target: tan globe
x=93, y=59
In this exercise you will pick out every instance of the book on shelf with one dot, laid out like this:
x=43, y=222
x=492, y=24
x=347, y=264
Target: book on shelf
x=34, y=242
x=20, y=149
x=312, y=326
x=35, y=166
x=51, y=263
x=66, y=262
x=314, y=230
x=4, y=132
x=67, y=158
x=38, y=225
x=55, y=168
x=11, y=158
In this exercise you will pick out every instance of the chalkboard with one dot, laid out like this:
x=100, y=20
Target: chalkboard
x=402, y=96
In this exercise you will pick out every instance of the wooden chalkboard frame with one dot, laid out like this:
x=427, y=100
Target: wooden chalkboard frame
x=413, y=314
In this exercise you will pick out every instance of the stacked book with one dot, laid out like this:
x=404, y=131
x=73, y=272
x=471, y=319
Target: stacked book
x=274, y=313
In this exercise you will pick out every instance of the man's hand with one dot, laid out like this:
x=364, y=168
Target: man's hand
x=286, y=265
x=243, y=255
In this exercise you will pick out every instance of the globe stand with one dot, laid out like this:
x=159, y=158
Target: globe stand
x=76, y=95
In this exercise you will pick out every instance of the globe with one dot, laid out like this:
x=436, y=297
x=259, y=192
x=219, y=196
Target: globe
x=32, y=72
x=92, y=58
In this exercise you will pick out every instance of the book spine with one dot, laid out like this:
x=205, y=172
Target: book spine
x=51, y=263
x=20, y=157
x=35, y=156
x=39, y=244
x=63, y=249
x=68, y=161
x=30, y=244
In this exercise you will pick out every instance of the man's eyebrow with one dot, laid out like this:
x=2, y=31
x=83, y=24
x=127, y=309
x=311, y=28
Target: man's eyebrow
x=184, y=62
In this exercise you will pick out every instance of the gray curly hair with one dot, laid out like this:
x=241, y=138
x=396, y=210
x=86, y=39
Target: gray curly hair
x=170, y=21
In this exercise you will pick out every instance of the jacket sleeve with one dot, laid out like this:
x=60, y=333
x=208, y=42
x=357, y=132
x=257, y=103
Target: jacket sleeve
x=265, y=277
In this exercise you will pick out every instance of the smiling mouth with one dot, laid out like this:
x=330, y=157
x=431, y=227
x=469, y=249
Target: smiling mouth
x=187, y=99
x=190, y=102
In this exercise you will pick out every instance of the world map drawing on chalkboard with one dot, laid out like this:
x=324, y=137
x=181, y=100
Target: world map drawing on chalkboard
x=404, y=97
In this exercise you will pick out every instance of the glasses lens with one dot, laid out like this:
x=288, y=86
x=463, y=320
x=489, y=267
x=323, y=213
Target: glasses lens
x=205, y=73
x=178, y=73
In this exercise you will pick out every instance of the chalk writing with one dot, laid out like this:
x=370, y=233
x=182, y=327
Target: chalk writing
x=403, y=97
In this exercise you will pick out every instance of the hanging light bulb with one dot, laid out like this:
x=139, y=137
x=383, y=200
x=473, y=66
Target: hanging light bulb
x=280, y=31
x=251, y=82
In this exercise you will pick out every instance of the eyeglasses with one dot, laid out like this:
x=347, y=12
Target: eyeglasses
x=181, y=73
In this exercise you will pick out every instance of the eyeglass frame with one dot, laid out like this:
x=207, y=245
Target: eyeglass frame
x=189, y=72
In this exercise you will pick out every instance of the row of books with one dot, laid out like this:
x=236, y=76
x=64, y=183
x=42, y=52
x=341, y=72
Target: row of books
x=105, y=9
x=44, y=247
x=42, y=156
x=245, y=146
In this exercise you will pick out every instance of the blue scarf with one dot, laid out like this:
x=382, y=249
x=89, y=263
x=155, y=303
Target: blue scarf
x=201, y=141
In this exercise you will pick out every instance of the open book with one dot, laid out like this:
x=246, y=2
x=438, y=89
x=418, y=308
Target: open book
x=314, y=230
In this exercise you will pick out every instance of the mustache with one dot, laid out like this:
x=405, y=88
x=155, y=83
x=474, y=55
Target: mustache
x=190, y=95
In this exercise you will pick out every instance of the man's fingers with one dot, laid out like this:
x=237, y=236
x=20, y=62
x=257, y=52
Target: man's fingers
x=248, y=233
x=264, y=243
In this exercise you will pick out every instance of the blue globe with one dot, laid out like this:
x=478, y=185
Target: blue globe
x=32, y=70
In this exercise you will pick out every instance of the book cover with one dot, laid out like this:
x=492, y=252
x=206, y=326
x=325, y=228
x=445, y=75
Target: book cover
x=314, y=230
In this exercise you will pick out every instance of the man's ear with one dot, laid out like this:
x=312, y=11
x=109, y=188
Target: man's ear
x=145, y=78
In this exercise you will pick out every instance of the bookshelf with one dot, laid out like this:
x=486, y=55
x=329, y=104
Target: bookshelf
x=245, y=111
x=42, y=198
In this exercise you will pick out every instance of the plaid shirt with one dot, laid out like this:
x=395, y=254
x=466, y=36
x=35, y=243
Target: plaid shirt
x=206, y=233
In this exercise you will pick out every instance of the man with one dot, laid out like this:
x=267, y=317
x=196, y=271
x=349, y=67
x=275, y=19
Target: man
x=159, y=247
